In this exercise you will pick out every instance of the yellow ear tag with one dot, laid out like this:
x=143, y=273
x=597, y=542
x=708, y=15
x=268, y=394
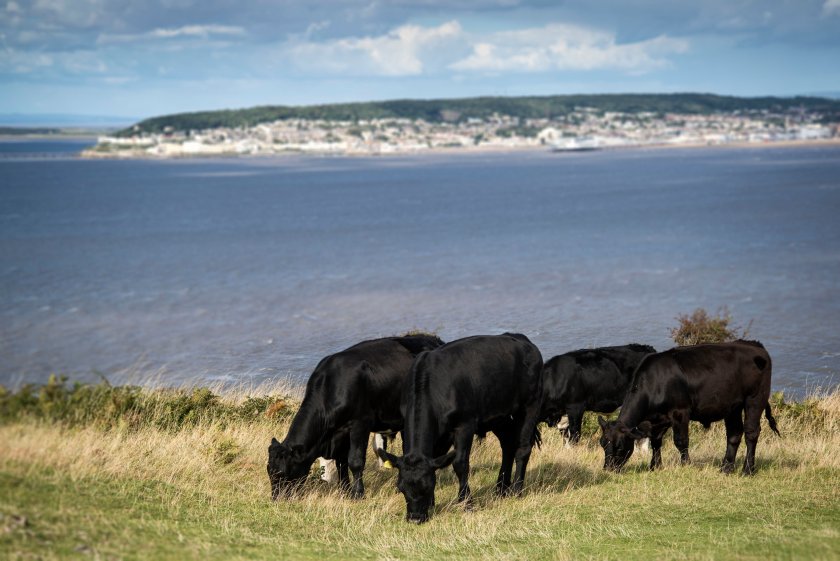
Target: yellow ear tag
x=387, y=465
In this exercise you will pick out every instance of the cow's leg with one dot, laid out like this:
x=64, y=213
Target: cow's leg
x=463, y=440
x=359, y=436
x=734, y=430
x=681, y=435
x=525, y=441
x=752, y=428
x=575, y=413
x=656, y=450
x=507, y=440
x=343, y=473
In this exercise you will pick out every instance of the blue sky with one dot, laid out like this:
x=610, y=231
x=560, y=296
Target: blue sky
x=141, y=58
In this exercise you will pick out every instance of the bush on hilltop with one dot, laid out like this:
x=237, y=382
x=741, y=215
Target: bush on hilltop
x=700, y=327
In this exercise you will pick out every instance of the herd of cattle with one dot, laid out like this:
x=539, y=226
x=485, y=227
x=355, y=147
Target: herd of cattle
x=439, y=396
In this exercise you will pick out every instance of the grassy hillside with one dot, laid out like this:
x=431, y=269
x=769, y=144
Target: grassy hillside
x=481, y=107
x=130, y=473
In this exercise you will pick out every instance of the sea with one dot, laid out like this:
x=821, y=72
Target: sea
x=246, y=270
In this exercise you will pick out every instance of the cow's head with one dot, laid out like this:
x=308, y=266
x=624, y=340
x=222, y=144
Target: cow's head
x=416, y=481
x=617, y=440
x=287, y=468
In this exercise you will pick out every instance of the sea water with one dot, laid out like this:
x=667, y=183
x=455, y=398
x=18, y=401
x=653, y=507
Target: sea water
x=255, y=268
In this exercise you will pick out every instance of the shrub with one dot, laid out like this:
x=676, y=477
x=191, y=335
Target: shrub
x=700, y=327
x=809, y=412
x=133, y=407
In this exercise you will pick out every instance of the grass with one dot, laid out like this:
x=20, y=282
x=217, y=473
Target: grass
x=81, y=482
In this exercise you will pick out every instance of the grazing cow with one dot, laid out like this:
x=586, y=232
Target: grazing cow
x=468, y=387
x=588, y=380
x=349, y=395
x=704, y=383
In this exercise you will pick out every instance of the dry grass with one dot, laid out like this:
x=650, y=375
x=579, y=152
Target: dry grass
x=202, y=492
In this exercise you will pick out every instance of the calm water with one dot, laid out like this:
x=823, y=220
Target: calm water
x=256, y=268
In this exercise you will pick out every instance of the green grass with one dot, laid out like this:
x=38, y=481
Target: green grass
x=116, y=491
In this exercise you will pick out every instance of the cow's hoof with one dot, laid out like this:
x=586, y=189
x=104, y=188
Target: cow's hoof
x=727, y=468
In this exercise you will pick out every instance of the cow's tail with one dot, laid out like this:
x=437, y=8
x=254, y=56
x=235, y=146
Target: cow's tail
x=536, y=439
x=770, y=420
x=764, y=365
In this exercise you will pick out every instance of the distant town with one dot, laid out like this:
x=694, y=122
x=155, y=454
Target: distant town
x=580, y=128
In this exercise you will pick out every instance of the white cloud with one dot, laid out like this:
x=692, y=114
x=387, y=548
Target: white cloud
x=314, y=28
x=567, y=47
x=17, y=62
x=400, y=52
x=831, y=7
x=197, y=31
x=186, y=31
x=412, y=50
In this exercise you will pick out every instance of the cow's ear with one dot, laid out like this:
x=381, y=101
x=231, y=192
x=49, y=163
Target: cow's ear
x=603, y=422
x=387, y=457
x=443, y=461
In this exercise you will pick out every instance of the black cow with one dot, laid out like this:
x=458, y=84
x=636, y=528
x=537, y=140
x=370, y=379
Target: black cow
x=704, y=383
x=588, y=380
x=349, y=395
x=465, y=388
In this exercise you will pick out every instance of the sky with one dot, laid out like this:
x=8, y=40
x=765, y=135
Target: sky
x=141, y=58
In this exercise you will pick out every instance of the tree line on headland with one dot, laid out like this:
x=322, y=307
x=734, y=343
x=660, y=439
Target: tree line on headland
x=459, y=110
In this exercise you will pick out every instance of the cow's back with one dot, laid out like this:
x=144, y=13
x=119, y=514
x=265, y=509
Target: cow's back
x=710, y=379
x=580, y=376
x=627, y=357
x=366, y=379
x=596, y=379
x=481, y=378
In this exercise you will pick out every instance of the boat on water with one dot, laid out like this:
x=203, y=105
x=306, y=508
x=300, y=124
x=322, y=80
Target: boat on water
x=577, y=144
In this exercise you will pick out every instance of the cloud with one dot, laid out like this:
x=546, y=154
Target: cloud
x=400, y=52
x=831, y=7
x=567, y=47
x=186, y=31
x=16, y=62
x=197, y=31
x=411, y=50
x=75, y=64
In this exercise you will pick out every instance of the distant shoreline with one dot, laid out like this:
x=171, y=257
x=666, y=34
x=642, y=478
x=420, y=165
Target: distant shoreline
x=477, y=150
x=58, y=137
